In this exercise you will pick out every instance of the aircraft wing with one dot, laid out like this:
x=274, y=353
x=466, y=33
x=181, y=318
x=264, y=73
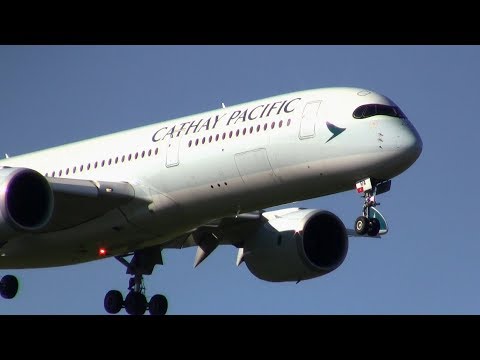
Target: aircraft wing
x=216, y=228
x=78, y=201
x=219, y=227
x=220, y=231
x=233, y=230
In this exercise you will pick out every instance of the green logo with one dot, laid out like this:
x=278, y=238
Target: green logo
x=335, y=130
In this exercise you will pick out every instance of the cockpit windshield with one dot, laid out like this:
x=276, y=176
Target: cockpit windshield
x=365, y=111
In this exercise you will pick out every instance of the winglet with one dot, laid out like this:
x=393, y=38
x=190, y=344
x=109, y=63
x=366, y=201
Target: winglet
x=240, y=256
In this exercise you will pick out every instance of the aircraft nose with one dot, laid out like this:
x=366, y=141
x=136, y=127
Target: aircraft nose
x=411, y=143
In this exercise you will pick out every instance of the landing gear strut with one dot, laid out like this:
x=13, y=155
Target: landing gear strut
x=135, y=302
x=367, y=223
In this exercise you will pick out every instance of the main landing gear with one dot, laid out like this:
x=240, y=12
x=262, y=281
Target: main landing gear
x=135, y=302
x=367, y=223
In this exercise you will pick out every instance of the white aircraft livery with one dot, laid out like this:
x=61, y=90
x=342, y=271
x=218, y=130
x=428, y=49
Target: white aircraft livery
x=205, y=180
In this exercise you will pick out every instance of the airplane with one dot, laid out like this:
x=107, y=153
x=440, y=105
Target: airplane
x=205, y=180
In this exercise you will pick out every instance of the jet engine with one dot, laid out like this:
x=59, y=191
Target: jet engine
x=26, y=200
x=297, y=245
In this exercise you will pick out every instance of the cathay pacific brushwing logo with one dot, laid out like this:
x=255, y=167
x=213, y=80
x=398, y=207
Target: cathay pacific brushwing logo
x=335, y=130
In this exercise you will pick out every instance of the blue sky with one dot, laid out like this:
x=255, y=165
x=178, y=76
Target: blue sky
x=429, y=263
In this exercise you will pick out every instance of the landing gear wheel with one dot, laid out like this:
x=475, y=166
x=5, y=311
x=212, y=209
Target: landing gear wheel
x=113, y=302
x=158, y=305
x=142, y=263
x=373, y=227
x=135, y=303
x=361, y=225
x=8, y=286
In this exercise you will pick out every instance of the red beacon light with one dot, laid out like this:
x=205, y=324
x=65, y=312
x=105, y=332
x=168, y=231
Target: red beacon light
x=102, y=251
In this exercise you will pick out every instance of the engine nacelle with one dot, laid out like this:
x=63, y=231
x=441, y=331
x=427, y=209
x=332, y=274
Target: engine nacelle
x=299, y=245
x=26, y=201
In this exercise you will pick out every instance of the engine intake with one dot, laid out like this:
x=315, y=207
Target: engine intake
x=26, y=200
x=324, y=240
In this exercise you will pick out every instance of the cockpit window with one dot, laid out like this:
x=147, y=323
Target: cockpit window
x=368, y=110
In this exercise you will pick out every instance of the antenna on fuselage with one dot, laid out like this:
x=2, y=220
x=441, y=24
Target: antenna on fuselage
x=223, y=105
x=6, y=156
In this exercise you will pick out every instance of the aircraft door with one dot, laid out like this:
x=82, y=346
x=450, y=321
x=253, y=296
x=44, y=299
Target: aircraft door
x=173, y=149
x=309, y=118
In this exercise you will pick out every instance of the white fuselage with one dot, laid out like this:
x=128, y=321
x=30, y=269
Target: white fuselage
x=214, y=164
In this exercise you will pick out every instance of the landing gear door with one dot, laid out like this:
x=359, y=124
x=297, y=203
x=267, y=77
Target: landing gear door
x=374, y=213
x=384, y=187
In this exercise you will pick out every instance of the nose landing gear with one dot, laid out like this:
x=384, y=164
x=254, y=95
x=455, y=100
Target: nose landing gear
x=365, y=225
x=369, y=223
